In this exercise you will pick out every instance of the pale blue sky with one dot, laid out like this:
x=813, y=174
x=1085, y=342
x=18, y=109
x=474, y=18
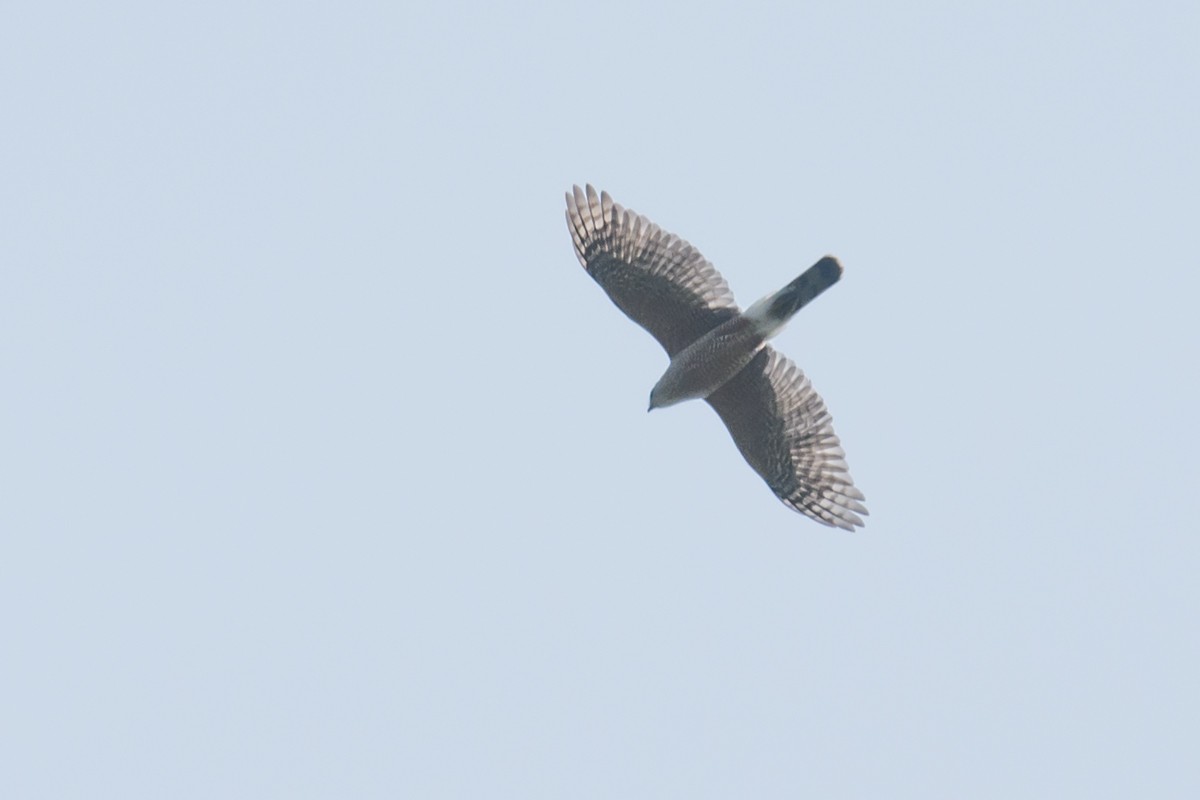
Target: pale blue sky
x=328, y=472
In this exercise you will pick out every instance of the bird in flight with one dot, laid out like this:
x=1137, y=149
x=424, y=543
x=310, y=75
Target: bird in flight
x=720, y=353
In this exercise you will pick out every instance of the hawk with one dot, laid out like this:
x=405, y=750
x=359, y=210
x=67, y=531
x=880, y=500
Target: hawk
x=720, y=353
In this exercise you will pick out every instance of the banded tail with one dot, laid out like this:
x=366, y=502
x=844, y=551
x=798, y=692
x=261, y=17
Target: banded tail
x=772, y=312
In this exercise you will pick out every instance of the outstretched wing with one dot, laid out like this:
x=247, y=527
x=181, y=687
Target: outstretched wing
x=660, y=281
x=783, y=430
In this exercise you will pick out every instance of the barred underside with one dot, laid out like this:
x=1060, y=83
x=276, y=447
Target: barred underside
x=705, y=365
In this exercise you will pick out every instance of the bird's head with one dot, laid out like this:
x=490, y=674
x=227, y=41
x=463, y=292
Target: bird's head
x=661, y=397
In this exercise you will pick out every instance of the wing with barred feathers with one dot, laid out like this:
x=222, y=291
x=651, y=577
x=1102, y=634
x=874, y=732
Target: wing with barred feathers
x=782, y=428
x=660, y=281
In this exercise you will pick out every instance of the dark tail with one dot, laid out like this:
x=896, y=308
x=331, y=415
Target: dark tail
x=800, y=292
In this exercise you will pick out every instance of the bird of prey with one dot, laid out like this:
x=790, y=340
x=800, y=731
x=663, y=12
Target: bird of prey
x=720, y=353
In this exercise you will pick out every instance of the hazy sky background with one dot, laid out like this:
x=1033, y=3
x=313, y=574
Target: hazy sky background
x=327, y=472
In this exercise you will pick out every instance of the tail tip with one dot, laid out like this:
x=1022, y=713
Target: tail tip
x=830, y=268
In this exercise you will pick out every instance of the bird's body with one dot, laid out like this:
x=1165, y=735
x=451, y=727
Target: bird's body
x=720, y=354
x=708, y=363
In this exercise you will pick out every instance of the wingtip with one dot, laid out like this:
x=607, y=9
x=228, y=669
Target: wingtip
x=588, y=196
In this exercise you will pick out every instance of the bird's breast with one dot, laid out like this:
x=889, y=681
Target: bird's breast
x=707, y=363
